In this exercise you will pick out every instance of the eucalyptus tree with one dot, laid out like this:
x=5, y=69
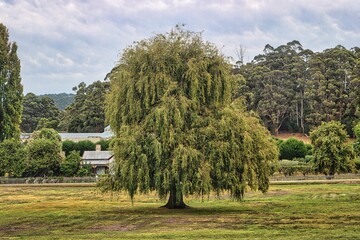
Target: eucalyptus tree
x=11, y=90
x=178, y=129
x=301, y=74
x=39, y=112
x=334, y=87
x=296, y=89
x=86, y=113
x=275, y=79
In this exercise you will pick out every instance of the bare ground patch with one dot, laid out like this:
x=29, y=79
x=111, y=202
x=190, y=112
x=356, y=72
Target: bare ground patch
x=115, y=227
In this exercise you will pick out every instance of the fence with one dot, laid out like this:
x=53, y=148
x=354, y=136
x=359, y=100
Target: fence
x=313, y=177
x=40, y=180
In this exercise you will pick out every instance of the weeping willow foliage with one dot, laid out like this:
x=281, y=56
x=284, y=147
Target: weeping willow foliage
x=178, y=127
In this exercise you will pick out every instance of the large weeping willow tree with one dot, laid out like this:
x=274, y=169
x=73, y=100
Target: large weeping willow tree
x=179, y=130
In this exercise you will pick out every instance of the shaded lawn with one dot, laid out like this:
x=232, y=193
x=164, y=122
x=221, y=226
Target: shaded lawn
x=318, y=211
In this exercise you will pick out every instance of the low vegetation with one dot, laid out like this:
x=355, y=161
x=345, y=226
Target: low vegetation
x=285, y=212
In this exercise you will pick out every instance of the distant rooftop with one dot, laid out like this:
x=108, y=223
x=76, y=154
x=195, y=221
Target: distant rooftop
x=104, y=135
x=77, y=136
x=97, y=155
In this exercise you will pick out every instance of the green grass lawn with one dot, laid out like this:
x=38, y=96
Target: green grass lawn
x=317, y=211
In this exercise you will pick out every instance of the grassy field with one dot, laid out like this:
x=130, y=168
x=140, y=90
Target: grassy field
x=317, y=211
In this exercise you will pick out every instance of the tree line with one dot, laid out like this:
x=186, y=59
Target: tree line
x=84, y=114
x=295, y=89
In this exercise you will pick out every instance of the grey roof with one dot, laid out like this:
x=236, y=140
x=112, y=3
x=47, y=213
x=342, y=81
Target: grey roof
x=103, y=135
x=97, y=155
x=107, y=134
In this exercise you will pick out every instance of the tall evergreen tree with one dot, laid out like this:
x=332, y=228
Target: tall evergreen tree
x=276, y=80
x=39, y=112
x=11, y=90
x=295, y=89
x=178, y=129
x=333, y=87
x=87, y=112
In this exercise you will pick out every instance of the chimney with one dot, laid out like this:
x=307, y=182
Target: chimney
x=98, y=147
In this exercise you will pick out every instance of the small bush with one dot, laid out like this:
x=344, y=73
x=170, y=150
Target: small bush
x=309, y=149
x=84, y=170
x=292, y=148
x=274, y=167
x=289, y=168
x=356, y=130
x=69, y=146
x=105, y=144
x=357, y=165
x=70, y=166
x=85, y=145
x=309, y=158
x=305, y=168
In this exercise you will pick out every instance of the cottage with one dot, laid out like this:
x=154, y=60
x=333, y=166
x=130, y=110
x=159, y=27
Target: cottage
x=100, y=161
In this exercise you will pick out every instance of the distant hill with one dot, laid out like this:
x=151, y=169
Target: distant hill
x=61, y=100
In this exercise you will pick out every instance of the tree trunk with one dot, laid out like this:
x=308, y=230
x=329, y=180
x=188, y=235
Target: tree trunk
x=276, y=130
x=302, y=113
x=297, y=113
x=175, y=201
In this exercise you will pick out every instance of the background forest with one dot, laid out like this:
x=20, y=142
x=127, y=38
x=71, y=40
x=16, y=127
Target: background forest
x=294, y=89
x=291, y=88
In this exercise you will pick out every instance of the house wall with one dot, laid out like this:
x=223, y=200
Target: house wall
x=96, y=162
x=100, y=170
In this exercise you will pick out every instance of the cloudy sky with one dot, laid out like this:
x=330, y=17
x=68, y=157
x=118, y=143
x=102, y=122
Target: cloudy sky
x=65, y=42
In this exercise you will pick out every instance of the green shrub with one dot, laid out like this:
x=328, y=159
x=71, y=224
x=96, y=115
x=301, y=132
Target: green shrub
x=44, y=158
x=305, y=168
x=85, y=145
x=13, y=155
x=288, y=167
x=309, y=149
x=292, y=148
x=104, y=144
x=44, y=153
x=84, y=170
x=309, y=158
x=69, y=146
x=356, y=130
x=357, y=164
x=274, y=167
x=70, y=166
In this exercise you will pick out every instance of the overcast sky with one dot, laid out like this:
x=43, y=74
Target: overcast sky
x=65, y=42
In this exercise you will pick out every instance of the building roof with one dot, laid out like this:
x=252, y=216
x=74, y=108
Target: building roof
x=103, y=135
x=97, y=155
x=107, y=134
